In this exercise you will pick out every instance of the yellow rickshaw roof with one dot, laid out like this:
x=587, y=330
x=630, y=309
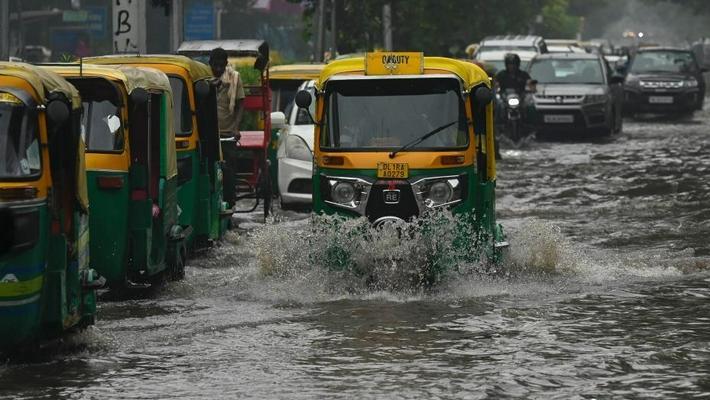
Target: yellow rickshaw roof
x=470, y=74
x=42, y=80
x=132, y=77
x=296, y=71
x=194, y=68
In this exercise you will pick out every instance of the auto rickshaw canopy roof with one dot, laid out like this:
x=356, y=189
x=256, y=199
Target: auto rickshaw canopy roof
x=470, y=74
x=296, y=71
x=234, y=48
x=194, y=68
x=42, y=80
x=132, y=77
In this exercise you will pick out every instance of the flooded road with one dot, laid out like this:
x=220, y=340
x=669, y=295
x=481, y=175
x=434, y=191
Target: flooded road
x=610, y=299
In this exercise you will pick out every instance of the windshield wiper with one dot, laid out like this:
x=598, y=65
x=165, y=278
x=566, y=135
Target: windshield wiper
x=421, y=139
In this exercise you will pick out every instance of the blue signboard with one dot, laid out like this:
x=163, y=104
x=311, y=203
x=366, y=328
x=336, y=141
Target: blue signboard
x=199, y=20
x=97, y=21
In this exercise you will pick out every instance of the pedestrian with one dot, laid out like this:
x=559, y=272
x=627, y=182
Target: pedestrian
x=230, y=107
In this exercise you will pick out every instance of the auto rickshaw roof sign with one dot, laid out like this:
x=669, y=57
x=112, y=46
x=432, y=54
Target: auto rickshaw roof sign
x=394, y=63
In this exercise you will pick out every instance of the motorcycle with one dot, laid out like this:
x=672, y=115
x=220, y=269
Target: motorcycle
x=511, y=121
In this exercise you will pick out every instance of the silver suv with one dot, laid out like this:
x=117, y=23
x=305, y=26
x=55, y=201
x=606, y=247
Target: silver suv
x=575, y=93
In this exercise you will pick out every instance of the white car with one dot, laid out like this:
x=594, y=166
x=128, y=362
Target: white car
x=295, y=155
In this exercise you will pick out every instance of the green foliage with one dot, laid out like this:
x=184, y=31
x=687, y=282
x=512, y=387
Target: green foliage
x=556, y=22
x=442, y=27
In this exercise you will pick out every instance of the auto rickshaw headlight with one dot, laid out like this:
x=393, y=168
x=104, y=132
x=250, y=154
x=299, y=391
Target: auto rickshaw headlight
x=343, y=192
x=440, y=193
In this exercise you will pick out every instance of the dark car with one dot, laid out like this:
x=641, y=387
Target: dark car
x=575, y=93
x=663, y=80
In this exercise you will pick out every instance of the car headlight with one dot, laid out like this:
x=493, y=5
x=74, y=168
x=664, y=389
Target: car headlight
x=595, y=98
x=514, y=102
x=632, y=81
x=690, y=83
x=297, y=149
x=440, y=191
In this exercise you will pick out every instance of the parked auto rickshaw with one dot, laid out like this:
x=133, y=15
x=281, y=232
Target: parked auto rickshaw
x=132, y=172
x=252, y=173
x=198, y=148
x=399, y=136
x=46, y=284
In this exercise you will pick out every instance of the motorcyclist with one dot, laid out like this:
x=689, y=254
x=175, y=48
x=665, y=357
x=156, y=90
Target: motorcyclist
x=512, y=77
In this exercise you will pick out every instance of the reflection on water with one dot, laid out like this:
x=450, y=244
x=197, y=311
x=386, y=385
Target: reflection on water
x=605, y=296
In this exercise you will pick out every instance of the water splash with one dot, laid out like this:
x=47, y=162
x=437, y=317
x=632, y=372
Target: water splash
x=295, y=265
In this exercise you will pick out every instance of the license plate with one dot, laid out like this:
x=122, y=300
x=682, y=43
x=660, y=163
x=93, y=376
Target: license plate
x=391, y=196
x=660, y=99
x=559, y=119
x=393, y=170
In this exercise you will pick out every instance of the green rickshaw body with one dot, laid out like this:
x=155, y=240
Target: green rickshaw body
x=46, y=284
x=131, y=172
x=199, y=159
x=401, y=136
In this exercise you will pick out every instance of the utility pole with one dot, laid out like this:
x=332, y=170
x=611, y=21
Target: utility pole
x=387, y=26
x=176, y=24
x=333, y=31
x=4, y=30
x=320, y=30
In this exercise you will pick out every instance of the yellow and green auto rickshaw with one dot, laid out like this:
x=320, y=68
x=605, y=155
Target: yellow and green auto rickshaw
x=131, y=172
x=399, y=136
x=46, y=284
x=198, y=148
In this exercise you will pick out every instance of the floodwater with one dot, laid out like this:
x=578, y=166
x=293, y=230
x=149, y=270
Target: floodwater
x=610, y=298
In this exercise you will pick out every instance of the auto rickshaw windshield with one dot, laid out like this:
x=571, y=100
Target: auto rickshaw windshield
x=19, y=140
x=381, y=114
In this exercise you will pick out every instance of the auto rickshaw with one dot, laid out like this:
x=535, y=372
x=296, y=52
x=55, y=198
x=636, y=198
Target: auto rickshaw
x=136, y=237
x=46, y=284
x=199, y=159
x=252, y=174
x=399, y=136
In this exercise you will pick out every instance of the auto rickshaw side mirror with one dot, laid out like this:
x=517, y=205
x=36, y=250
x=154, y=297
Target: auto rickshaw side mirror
x=202, y=90
x=58, y=112
x=483, y=95
x=303, y=99
x=278, y=120
x=7, y=234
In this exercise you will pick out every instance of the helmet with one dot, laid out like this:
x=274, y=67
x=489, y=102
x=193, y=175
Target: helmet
x=512, y=58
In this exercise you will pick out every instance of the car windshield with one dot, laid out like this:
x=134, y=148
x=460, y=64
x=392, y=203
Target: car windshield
x=380, y=114
x=567, y=71
x=663, y=61
x=182, y=115
x=19, y=146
